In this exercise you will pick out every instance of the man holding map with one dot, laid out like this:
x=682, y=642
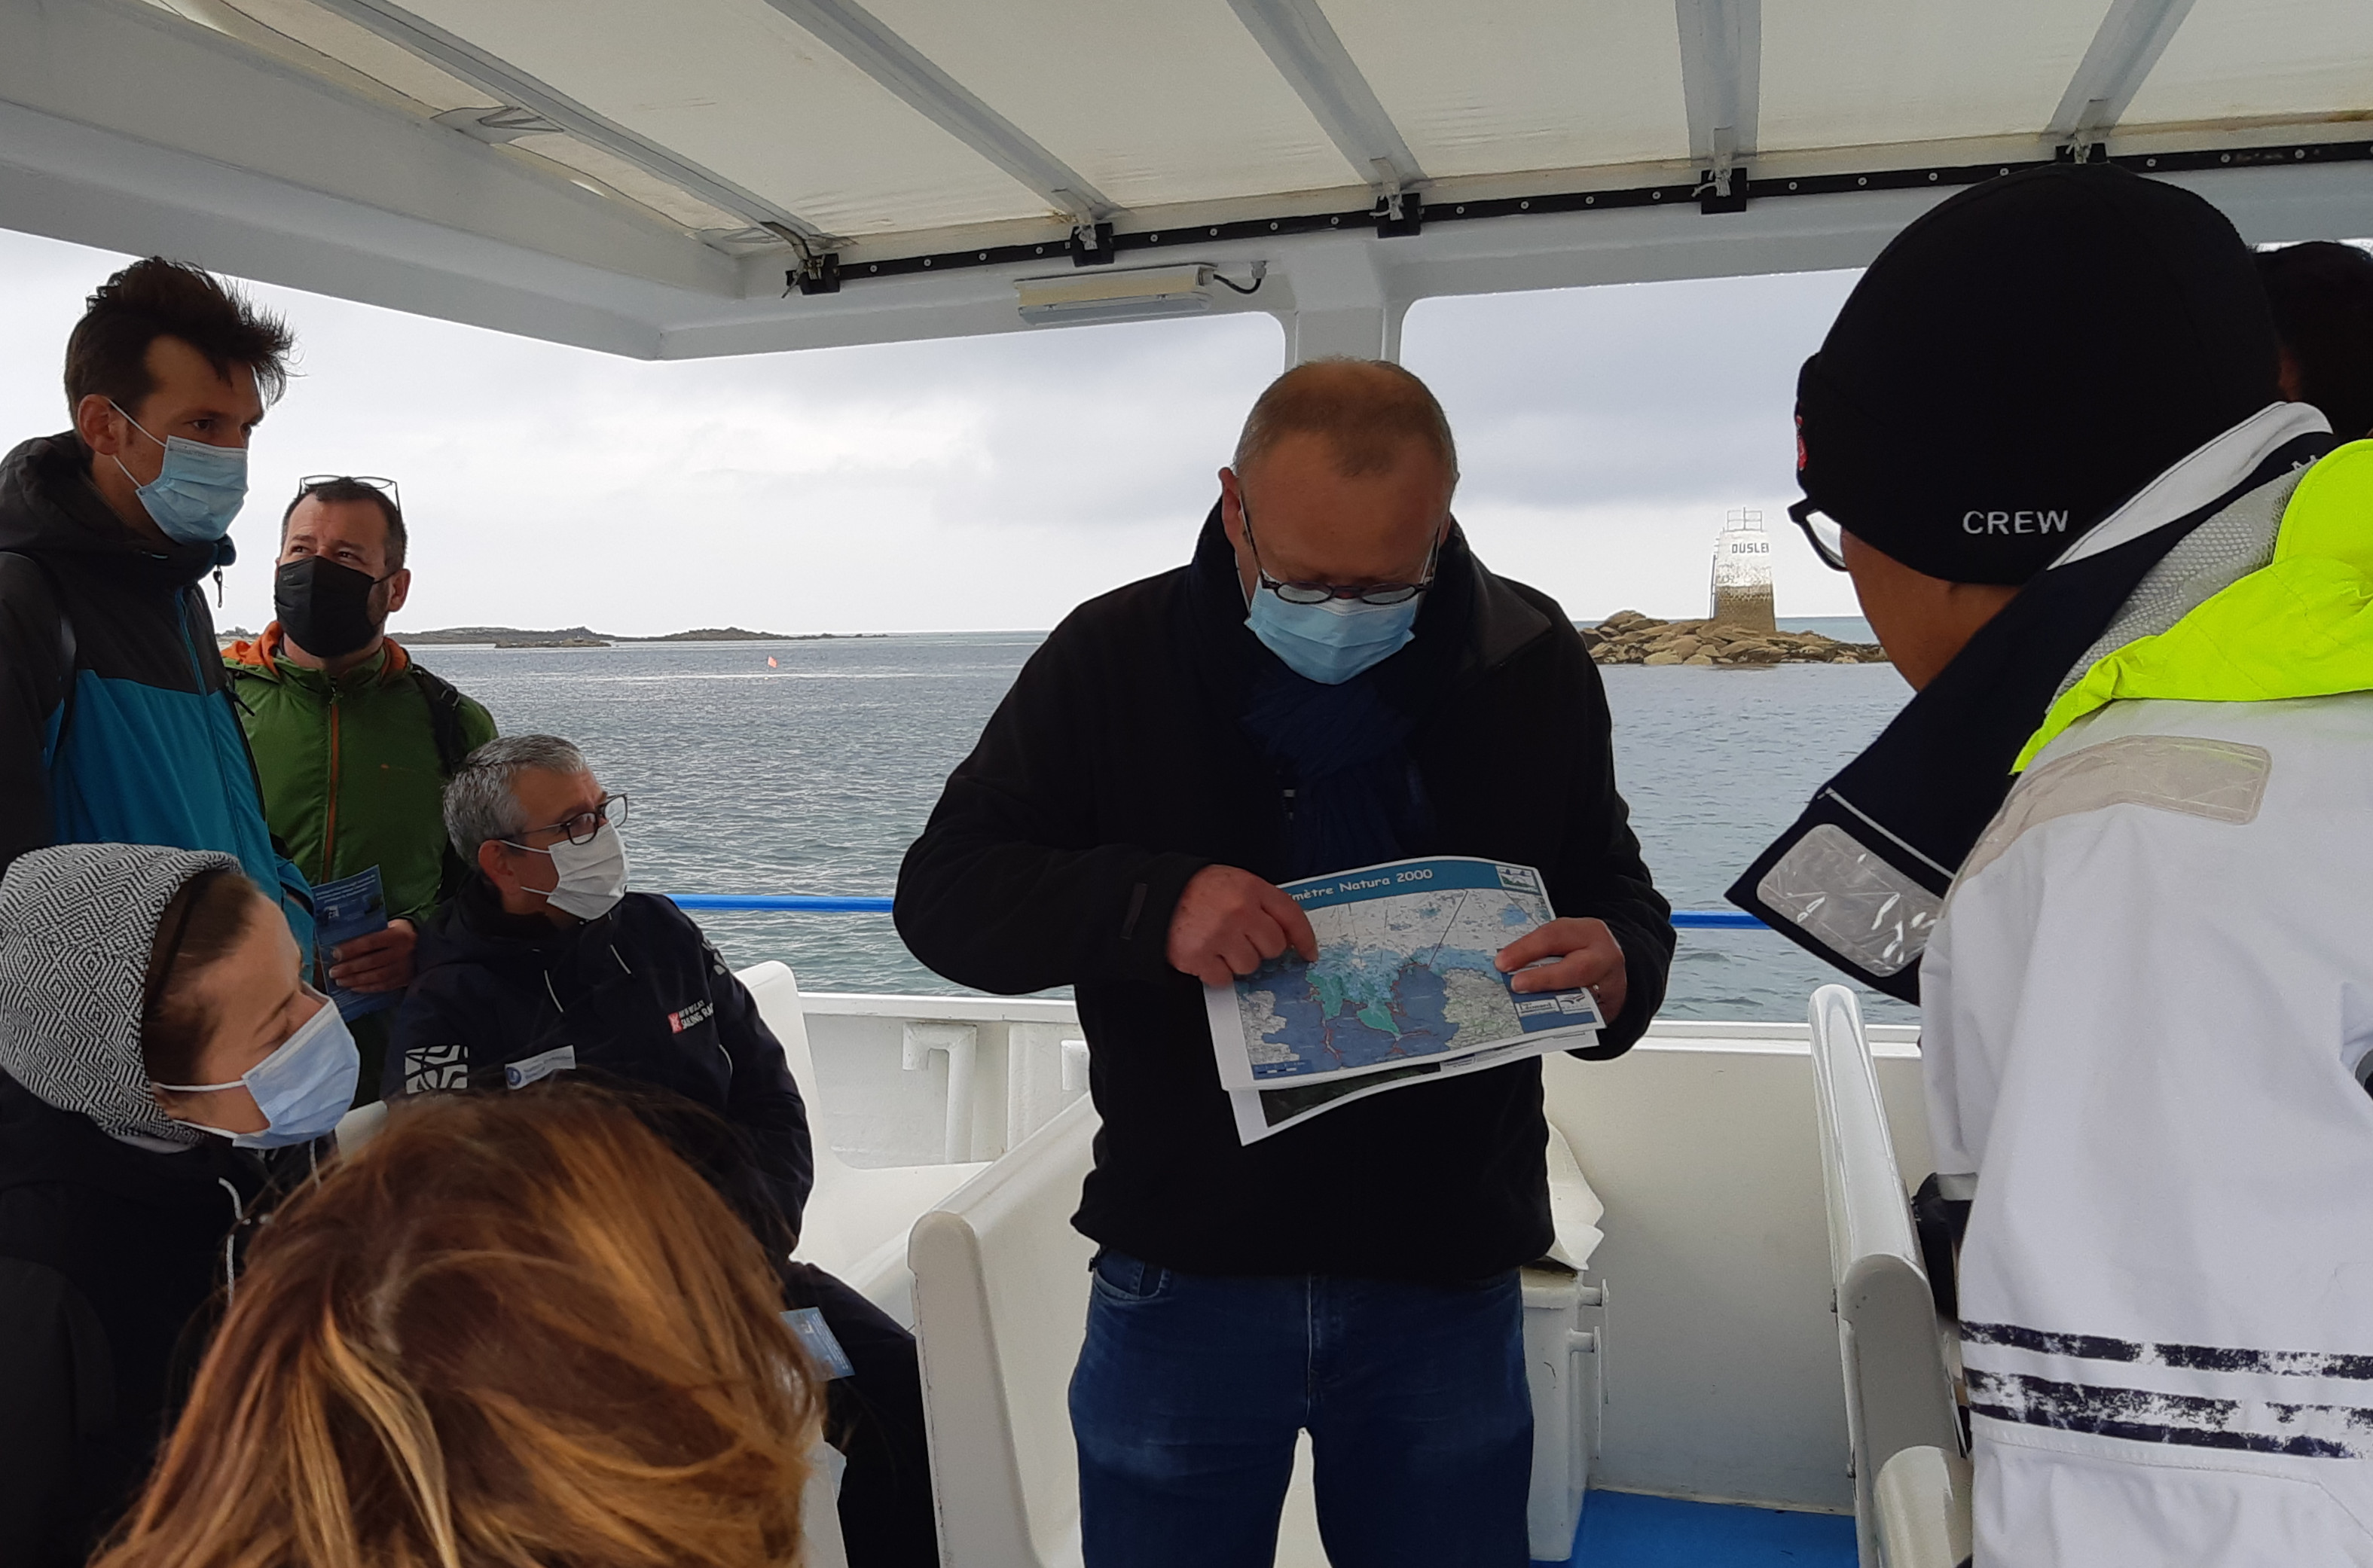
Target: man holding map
x=1335, y=694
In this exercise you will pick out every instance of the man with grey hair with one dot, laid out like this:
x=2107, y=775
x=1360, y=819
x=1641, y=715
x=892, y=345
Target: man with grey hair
x=544, y=963
x=1335, y=682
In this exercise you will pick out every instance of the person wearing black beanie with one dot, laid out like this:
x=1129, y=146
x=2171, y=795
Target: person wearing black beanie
x=2110, y=848
x=2024, y=358
x=2322, y=298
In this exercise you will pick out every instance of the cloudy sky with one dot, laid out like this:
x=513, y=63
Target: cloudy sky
x=986, y=482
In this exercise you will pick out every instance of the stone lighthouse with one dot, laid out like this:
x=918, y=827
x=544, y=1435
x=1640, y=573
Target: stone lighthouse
x=1742, y=572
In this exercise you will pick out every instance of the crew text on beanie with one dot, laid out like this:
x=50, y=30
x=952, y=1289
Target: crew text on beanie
x=2022, y=359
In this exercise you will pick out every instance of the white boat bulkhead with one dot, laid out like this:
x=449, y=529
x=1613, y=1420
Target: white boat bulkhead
x=1737, y=1310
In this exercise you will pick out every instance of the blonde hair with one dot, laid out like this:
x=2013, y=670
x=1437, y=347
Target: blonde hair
x=510, y=1331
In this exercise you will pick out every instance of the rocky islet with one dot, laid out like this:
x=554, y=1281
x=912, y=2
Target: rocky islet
x=1629, y=637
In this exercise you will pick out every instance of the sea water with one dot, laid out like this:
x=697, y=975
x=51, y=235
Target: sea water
x=814, y=773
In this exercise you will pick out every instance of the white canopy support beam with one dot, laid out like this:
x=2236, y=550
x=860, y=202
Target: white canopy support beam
x=515, y=89
x=2129, y=42
x=1343, y=304
x=861, y=37
x=1301, y=43
x=1722, y=75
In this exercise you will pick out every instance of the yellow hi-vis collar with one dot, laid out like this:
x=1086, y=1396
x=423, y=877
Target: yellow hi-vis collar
x=2302, y=626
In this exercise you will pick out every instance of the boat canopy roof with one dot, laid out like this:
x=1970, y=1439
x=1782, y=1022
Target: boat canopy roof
x=705, y=177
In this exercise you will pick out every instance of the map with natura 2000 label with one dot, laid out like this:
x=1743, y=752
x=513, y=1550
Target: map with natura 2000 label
x=1405, y=973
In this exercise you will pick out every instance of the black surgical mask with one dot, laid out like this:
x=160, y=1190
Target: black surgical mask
x=325, y=608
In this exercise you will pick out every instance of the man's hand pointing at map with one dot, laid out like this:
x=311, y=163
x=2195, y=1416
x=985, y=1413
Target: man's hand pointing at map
x=1586, y=955
x=1229, y=923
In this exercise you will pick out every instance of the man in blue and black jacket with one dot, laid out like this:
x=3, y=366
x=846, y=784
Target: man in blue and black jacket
x=114, y=723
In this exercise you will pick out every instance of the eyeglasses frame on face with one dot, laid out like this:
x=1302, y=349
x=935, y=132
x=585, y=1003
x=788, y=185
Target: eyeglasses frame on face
x=1802, y=514
x=601, y=815
x=1320, y=593
x=311, y=482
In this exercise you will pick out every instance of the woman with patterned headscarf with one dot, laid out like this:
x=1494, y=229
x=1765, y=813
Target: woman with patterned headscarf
x=155, y=1032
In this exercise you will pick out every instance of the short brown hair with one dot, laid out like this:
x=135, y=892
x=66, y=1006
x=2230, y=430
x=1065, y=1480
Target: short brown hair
x=511, y=1331
x=200, y=926
x=333, y=491
x=108, y=353
x=1368, y=409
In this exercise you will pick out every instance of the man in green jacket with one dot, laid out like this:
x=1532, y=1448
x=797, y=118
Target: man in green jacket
x=353, y=739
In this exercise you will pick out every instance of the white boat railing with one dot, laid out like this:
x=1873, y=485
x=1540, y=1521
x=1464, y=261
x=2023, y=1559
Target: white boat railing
x=1713, y=1283
x=1899, y=1395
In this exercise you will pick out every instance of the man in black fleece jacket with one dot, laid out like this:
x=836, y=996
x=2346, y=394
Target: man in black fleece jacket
x=1173, y=750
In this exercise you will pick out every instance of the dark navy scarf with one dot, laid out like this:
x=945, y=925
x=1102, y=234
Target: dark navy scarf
x=1356, y=797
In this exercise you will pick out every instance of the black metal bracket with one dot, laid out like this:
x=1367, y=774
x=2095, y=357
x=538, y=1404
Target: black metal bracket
x=1722, y=191
x=1409, y=219
x=1091, y=246
x=815, y=275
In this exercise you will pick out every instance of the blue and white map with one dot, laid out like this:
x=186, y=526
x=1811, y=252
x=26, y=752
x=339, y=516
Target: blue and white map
x=1405, y=975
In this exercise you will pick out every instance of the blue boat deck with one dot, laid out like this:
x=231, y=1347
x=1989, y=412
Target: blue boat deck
x=1627, y=1529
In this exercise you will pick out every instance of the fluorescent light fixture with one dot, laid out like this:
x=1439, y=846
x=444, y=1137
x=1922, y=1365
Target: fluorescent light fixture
x=1115, y=294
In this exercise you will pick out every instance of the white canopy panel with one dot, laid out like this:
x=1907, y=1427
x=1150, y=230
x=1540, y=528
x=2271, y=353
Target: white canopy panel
x=647, y=176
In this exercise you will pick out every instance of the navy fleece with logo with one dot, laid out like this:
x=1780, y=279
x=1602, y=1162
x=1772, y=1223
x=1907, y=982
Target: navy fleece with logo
x=502, y=1000
x=115, y=727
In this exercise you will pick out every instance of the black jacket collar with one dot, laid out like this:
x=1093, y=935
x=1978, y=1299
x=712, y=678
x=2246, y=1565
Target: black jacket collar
x=1471, y=621
x=40, y=1145
x=1918, y=797
x=49, y=507
x=475, y=928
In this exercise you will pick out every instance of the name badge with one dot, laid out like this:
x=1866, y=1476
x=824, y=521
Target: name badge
x=528, y=1070
x=816, y=1338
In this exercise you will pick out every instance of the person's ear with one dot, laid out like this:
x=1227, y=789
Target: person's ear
x=399, y=588
x=490, y=862
x=1231, y=507
x=102, y=429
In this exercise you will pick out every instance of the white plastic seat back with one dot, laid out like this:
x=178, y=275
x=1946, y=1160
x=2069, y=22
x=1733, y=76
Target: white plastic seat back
x=857, y=1219
x=1899, y=1395
x=1001, y=1304
x=777, y=991
x=359, y=1126
x=1924, y=1510
x=1575, y=1209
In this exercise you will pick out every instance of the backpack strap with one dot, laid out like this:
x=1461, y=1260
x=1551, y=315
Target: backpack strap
x=68, y=651
x=444, y=718
x=445, y=729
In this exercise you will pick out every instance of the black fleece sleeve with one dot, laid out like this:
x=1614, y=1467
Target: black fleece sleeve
x=1008, y=890
x=31, y=685
x=1601, y=874
x=48, y=1338
x=761, y=1099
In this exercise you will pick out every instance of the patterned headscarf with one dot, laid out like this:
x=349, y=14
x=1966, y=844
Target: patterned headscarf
x=76, y=922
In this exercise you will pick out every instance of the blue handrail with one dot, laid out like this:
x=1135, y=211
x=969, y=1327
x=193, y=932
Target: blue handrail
x=827, y=903
x=1716, y=920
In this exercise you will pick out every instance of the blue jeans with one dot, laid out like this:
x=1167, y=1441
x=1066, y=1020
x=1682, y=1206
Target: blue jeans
x=1191, y=1390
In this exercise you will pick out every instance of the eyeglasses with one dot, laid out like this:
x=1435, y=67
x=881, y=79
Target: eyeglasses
x=1320, y=593
x=313, y=482
x=1822, y=532
x=581, y=828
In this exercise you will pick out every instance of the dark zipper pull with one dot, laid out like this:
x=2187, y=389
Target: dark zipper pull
x=219, y=599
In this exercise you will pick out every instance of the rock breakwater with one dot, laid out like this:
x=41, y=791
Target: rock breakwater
x=1629, y=637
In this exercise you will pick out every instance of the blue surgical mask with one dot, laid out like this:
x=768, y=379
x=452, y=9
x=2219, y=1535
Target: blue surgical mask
x=1332, y=641
x=197, y=491
x=302, y=1087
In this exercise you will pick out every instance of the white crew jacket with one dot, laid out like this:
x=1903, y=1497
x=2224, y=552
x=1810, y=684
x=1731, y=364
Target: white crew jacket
x=2145, y=1007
